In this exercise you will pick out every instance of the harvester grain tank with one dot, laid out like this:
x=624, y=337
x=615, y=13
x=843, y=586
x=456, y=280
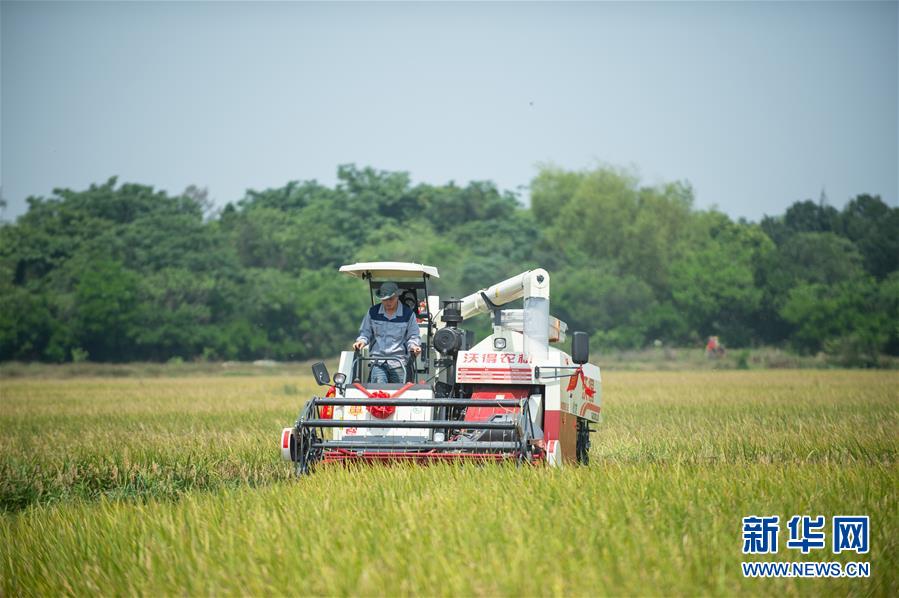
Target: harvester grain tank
x=512, y=395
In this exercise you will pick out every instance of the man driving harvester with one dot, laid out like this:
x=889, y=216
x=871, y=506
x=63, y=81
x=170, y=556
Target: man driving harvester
x=390, y=329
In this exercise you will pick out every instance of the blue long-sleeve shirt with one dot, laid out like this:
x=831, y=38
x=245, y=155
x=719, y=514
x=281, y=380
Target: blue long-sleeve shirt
x=389, y=336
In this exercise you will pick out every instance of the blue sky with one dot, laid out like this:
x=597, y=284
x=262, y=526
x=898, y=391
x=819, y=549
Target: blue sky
x=756, y=104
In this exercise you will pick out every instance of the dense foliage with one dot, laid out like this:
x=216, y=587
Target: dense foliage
x=124, y=272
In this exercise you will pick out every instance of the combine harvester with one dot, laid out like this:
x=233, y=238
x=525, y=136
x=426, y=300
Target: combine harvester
x=510, y=396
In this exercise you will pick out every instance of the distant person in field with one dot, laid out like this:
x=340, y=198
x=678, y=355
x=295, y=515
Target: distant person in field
x=390, y=330
x=714, y=348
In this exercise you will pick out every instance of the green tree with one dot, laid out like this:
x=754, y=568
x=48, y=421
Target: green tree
x=873, y=227
x=613, y=308
x=449, y=206
x=804, y=258
x=610, y=218
x=174, y=314
x=551, y=190
x=714, y=285
x=26, y=324
x=124, y=271
x=856, y=319
x=802, y=217
x=106, y=311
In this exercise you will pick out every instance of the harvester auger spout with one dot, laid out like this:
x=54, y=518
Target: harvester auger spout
x=510, y=396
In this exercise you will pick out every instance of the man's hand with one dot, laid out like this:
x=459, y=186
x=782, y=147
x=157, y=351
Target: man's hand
x=415, y=350
x=358, y=345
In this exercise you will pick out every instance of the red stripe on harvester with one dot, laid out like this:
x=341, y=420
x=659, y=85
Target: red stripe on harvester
x=285, y=439
x=520, y=376
x=503, y=370
x=517, y=376
x=401, y=390
x=551, y=424
x=492, y=381
x=364, y=390
x=342, y=457
x=370, y=395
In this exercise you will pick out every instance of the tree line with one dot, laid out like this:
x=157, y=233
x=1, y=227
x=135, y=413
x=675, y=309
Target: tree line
x=122, y=272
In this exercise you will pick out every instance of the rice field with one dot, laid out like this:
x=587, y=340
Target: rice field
x=175, y=486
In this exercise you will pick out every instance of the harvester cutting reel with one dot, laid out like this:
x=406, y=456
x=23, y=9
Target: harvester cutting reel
x=306, y=445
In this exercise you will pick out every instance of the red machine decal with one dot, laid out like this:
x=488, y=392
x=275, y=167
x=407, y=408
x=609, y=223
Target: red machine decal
x=494, y=368
x=572, y=382
x=495, y=374
x=488, y=358
x=285, y=439
x=589, y=407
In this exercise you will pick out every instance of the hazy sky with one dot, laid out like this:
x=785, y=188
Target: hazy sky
x=756, y=104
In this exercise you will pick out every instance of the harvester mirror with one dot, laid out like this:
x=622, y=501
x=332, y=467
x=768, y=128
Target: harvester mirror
x=320, y=372
x=580, y=348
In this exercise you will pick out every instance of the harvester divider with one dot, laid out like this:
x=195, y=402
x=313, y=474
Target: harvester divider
x=372, y=423
x=333, y=401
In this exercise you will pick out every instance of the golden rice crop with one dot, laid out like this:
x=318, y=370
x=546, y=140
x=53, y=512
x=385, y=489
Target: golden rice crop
x=175, y=486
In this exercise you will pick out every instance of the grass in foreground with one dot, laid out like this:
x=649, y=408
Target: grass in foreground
x=679, y=460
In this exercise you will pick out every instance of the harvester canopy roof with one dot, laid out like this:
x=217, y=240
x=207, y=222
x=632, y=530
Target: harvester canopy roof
x=389, y=270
